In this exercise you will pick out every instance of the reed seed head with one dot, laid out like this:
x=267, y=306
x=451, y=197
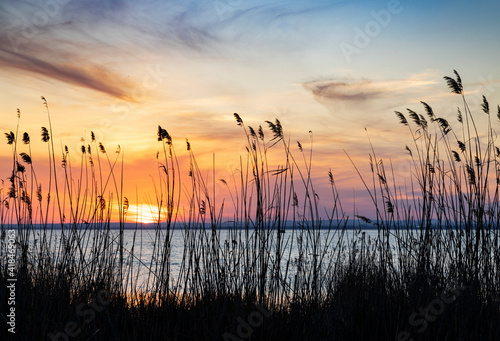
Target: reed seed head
x=454, y=85
x=330, y=177
x=461, y=145
x=477, y=161
x=382, y=179
x=261, y=132
x=459, y=80
x=428, y=110
x=423, y=121
x=238, y=119
x=485, y=106
x=364, y=219
x=252, y=132
x=414, y=116
x=276, y=128
x=26, y=158
x=163, y=135
x=443, y=123
x=45, y=135
x=389, y=206
x=10, y=137
x=39, y=193
x=101, y=203
x=402, y=118
x=126, y=205
x=20, y=168
x=409, y=151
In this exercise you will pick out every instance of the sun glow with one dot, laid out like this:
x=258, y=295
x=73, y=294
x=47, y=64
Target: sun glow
x=143, y=213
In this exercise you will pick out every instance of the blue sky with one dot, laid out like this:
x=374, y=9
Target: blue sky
x=120, y=68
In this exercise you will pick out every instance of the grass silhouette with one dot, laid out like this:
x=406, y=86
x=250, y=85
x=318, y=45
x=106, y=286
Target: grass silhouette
x=432, y=272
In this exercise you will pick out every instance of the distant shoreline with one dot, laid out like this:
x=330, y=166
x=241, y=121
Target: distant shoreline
x=352, y=225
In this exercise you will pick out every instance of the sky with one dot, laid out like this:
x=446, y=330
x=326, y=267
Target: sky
x=333, y=68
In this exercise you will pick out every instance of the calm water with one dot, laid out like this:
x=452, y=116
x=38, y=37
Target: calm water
x=141, y=245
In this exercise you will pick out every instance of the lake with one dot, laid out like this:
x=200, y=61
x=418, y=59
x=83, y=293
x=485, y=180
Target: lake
x=281, y=254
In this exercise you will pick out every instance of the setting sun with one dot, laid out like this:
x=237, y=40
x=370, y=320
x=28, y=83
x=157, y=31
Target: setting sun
x=145, y=214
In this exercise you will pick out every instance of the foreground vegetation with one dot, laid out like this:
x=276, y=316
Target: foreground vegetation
x=432, y=273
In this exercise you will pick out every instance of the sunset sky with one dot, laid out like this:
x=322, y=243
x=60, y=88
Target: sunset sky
x=121, y=68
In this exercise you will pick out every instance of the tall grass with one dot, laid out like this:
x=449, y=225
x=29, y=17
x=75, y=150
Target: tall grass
x=431, y=272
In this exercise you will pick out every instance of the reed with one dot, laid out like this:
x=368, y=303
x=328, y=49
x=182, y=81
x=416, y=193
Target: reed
x=432, y=271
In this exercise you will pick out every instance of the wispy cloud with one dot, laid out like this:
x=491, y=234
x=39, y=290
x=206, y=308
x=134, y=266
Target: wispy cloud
x=365, y=90
x=69, y=70
x=358, y=91
x=355, y=103
x=84, y=42
x=44, y=41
